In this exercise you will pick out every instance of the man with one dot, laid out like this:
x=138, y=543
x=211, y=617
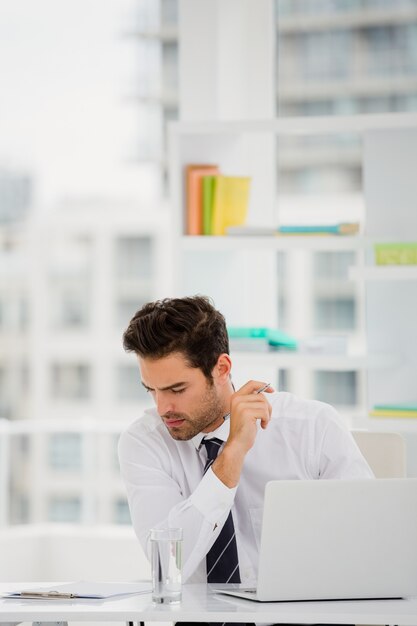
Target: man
x=201, y=458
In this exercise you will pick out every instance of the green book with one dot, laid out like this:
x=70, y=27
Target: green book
x=386, y=413
x=208, y=188
x=395, y=407
x=395, y=253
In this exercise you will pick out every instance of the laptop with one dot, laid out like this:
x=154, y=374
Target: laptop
x=336, y=540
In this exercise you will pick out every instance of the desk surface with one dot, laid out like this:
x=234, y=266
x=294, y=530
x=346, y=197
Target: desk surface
x=200, y=604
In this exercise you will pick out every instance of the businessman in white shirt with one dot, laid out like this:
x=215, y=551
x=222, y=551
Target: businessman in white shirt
x=183, y=356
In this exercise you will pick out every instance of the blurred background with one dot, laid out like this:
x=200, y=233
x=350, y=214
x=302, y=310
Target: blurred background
x=88, y=89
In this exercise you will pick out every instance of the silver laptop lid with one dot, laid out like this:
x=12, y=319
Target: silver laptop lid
x=337, y=539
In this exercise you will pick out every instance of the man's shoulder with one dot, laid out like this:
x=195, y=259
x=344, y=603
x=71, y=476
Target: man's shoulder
x=288, y=405
x=149, y=422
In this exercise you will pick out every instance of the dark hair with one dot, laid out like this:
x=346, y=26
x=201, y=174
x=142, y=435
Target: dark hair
x=191, y=326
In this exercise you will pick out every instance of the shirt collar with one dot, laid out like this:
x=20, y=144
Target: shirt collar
x=222, y=432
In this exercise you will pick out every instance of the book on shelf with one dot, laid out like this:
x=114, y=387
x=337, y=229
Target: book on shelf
x=213, y=201
x=194, y=174
x=396, y=253
x=394, y=410
x=230, y=202
x=342, y=228
x=260, y=338
x=208, y=183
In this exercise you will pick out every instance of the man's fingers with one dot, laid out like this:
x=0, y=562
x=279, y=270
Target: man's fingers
x=250, y=407
x=253, y=386
x=251, y=403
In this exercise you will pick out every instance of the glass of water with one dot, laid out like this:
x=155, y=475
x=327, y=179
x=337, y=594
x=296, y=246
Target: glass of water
x=166, y=564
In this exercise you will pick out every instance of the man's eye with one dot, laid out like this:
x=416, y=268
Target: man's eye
x=176, y=391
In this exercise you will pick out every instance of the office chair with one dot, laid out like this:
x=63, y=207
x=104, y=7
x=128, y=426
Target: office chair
x=385, y=452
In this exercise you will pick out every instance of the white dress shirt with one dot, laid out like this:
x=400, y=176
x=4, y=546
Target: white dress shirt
x=305, y=439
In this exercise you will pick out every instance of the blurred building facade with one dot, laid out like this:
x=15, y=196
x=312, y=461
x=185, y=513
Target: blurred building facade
x=69, y=282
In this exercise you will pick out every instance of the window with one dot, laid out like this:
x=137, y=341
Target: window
x=70, y=302
x=121, y=512
x=129, y=386
x=283, y=380
x=69, y=282
x=70, y=381
x=169, y=12
x=127, y=307
x=334, y=313
x=321, y=62
x=134, y=271
x=134, y=257
x=61, y=509
x=65, y=451
x=333, y=265
x=114, y=459
x=337, y=388
x=5, y=404
x=20, y=511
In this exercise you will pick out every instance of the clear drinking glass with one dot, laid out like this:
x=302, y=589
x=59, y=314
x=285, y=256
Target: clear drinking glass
x=166, y=564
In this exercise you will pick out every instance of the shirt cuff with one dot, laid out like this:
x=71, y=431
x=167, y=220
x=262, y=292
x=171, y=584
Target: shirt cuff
x=212, y=498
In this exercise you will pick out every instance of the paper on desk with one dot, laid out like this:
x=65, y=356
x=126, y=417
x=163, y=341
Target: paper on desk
x=90, y=590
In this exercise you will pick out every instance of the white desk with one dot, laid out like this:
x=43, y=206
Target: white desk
x=199, y=604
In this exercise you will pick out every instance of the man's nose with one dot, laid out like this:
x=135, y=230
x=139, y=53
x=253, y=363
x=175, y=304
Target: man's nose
x=164, y=404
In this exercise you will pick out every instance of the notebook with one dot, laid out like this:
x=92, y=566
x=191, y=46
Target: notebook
x=336, y=540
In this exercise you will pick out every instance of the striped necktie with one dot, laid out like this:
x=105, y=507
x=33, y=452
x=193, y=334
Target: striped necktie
x=222, y=559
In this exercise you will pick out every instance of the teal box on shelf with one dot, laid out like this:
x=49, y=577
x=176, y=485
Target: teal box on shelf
x=258, y=338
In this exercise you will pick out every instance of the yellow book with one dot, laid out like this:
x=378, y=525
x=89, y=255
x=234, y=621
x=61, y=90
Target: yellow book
x=230, y=203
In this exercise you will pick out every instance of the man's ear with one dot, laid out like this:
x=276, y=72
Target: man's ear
x=221, y=371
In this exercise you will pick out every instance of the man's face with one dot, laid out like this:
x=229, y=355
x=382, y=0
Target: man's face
x=186, y=401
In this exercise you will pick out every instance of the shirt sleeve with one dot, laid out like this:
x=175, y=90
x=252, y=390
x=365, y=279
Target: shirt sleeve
x=338, y=455
x=155, y=501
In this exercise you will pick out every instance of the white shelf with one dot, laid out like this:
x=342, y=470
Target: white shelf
x=384, y=424
x=294, y=158
x=166, y=34
x=168, y=99
x=384, y=272
x=357, y=86
x=271, y=242
x=319, y=125
x=314, y=360
x=307, y=22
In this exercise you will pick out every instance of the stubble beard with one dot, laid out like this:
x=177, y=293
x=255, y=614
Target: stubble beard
x=211, y=410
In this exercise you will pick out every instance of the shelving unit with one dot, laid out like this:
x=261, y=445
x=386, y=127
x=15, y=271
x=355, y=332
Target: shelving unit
x=218, y=265
x=316, y=360
x=384, y=273
x=318, y=125
x=407, y=426
x=390, y=186
x=276, y=243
